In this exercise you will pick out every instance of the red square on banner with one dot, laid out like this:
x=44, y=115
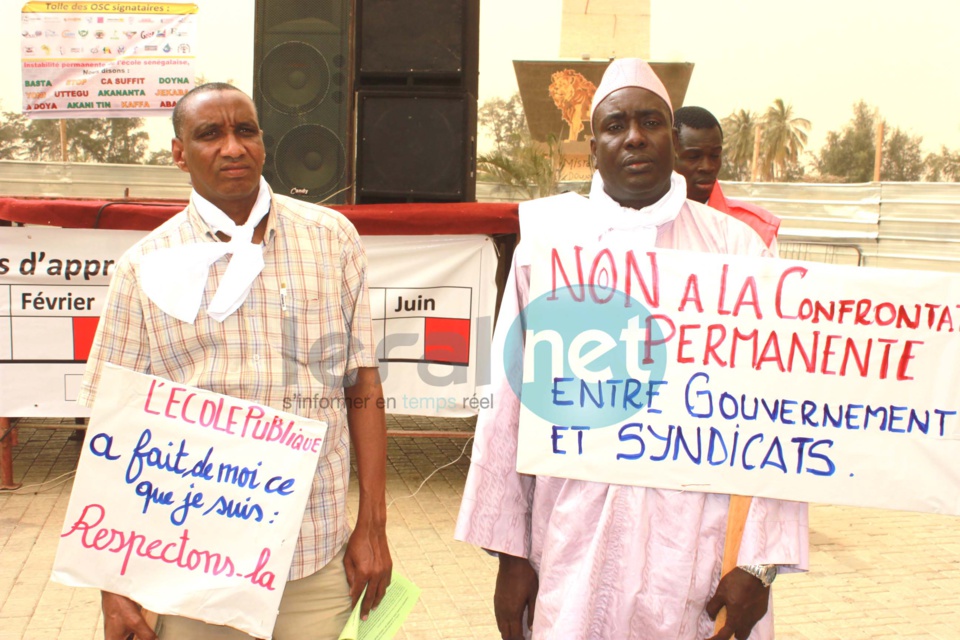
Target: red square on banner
x=83, y=332
x=447, y=340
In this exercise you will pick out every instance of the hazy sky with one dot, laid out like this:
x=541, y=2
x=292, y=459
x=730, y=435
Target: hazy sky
x=821, y=56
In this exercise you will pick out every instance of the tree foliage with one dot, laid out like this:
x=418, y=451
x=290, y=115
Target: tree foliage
x=161, y=157
x=783, y=137
x=782, y=140
x=532, y=168
x=902, y=159
x=110, y=140
x=518, y=161
x=11, y=135
x=943, y=166
x=504, y=120
x=739, y=129
x=849, y=155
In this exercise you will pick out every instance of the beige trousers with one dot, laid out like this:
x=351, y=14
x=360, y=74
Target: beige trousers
x=312, y=608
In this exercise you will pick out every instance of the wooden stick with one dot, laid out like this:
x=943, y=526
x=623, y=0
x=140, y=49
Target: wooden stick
x=8, y=437
x=63, y=140
x=736, y=521
x=755, y=168
x=878, y=153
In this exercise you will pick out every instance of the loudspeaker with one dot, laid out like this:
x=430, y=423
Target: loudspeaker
x=416, y=146
x=419, y=42
x=416, y=74
x=302, y=89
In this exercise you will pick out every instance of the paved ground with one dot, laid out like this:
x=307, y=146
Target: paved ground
x=875, y=574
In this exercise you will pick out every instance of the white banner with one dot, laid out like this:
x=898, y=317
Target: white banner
x=189, y=502
x=53, y=283
x=728, y=374
x=106, y=59
x=432, y=300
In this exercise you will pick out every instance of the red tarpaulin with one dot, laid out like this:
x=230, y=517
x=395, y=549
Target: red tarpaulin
x=370, y=219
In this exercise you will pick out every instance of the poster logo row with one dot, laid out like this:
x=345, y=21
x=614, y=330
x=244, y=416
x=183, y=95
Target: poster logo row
x=137, y=70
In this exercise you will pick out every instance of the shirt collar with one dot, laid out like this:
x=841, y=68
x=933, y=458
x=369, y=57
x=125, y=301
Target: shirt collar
x=207, y=231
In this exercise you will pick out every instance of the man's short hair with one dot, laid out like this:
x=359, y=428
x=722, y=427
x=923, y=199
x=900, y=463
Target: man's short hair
x=695, y=118
x=177, y=116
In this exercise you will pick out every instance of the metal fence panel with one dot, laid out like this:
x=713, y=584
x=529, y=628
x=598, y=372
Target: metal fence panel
x=888, y=224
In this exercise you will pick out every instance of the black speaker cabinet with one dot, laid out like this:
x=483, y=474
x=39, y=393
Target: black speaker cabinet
x=416, y=76
x=416, y=146
x=302, y=89
x=419, y=42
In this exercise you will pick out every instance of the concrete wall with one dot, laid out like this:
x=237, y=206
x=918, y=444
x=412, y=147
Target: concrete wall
x=83, y=180
x=605, y=29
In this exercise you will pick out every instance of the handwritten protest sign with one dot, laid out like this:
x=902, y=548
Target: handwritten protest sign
x=187, y=501
x=742, y=375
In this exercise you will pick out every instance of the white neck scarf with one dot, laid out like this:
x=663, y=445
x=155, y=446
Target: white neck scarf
x=644, y=222
x=174, y=278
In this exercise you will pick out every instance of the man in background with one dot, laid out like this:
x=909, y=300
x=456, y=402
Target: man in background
x=699, y=160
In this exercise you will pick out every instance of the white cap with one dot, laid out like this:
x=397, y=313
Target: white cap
x=629, y=72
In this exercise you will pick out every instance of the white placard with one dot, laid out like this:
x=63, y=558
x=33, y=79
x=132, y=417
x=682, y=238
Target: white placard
x=753, y=376
x=187, y=501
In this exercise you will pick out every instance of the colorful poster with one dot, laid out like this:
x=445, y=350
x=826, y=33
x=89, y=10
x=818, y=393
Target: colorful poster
x=432, y=301
x=106, y=59
x=729, y=374
x=187, y=501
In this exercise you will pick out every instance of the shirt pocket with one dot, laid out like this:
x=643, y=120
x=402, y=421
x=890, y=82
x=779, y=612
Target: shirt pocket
x=313, y=341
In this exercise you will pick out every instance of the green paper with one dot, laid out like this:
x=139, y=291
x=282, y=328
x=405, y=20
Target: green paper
x=383, y=622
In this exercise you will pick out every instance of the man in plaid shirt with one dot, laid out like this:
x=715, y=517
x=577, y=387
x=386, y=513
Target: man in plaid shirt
x=261, y=297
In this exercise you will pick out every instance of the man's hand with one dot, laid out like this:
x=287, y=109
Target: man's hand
x=368, y=564
x=516, y=591
x=746, y=601
x=122, y=619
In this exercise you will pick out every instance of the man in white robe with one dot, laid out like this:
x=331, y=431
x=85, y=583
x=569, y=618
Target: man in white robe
x=587, y=560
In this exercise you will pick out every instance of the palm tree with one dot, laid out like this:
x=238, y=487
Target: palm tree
x=738, y=132
x=784, y=137
x=532, y=168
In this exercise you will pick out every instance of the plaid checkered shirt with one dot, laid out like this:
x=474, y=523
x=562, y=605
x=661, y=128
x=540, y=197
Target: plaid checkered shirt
x=293, y=345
